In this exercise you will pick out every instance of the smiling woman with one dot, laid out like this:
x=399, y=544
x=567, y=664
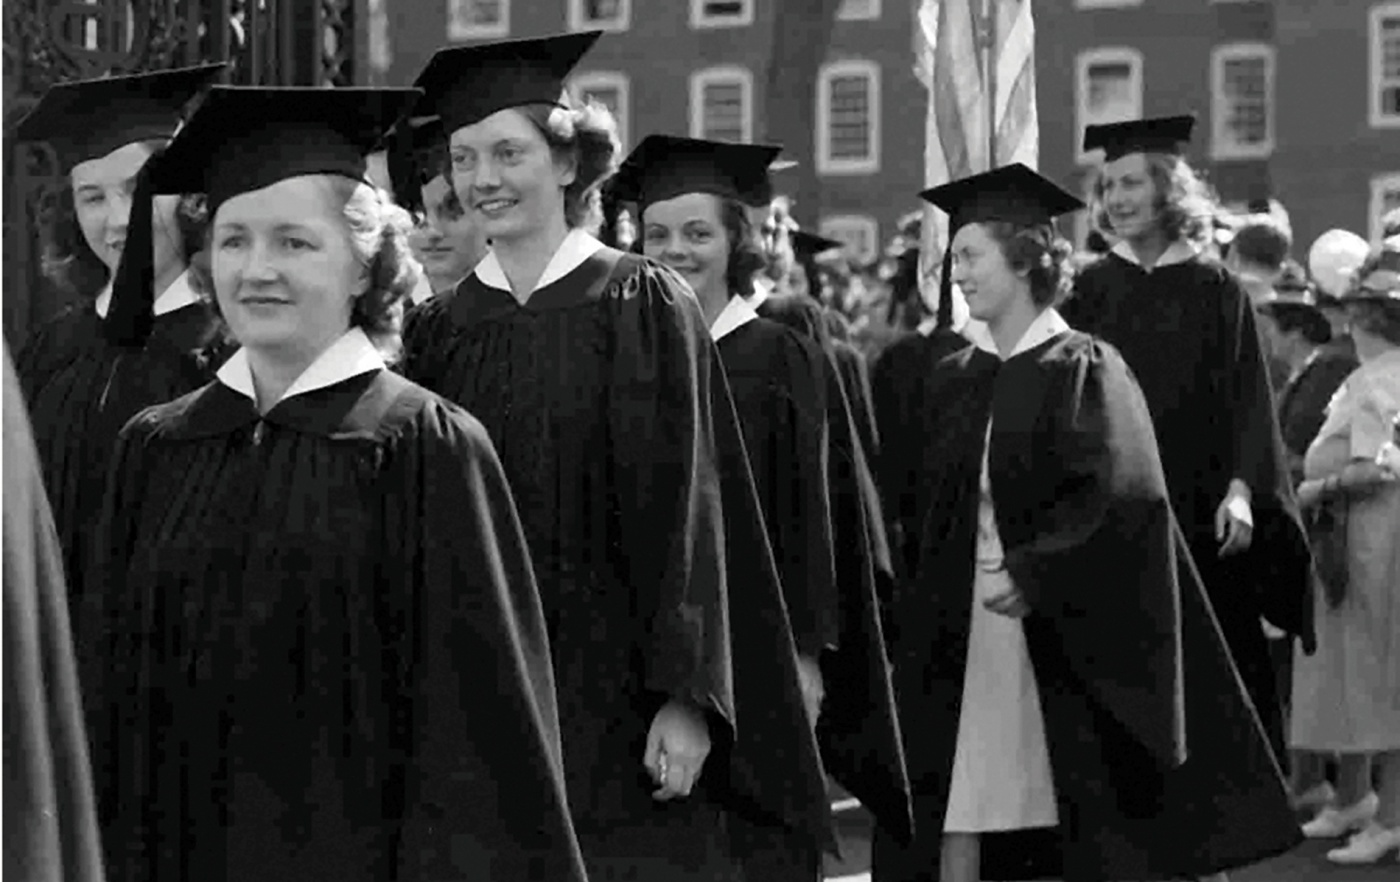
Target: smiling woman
x=311, y=525
x=83, y=381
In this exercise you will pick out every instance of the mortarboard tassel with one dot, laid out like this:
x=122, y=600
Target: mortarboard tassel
x=131, y=317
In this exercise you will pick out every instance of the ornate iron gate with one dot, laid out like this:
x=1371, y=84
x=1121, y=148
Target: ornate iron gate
x=270, y=42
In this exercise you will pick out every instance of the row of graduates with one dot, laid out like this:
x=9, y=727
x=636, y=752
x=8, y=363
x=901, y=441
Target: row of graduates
x=330, y=629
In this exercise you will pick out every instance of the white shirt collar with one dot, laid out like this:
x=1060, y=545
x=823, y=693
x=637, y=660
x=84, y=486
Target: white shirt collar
x=421, y=291
x=1047, y=325
x=1179, y=251
x=177, y=296
x=353, y=354
x=763, y=288
x=736, y=313
x=577, y=247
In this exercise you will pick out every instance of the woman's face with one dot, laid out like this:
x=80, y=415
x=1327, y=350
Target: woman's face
x=506, y=176
x=687, y=234
x=797, y=281
x=448, y=242
x=1129, y=196
x=988, y=283
x=102, y=190
x=285, y=271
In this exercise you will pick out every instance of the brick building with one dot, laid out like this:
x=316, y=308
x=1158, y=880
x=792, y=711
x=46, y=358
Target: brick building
x=1292, y=101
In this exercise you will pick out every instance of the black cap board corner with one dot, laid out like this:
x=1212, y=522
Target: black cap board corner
x=416, y=152
x=812, y=244
x=664, y=166
x=466, y=84
x=87, y=119
x=245, y=138
x=1157, y=134
x=1013, y=193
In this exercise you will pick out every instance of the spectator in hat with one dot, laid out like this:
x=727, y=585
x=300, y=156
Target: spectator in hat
x=1257, y=254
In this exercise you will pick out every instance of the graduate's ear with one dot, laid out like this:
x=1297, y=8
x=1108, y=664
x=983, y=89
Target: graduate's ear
x=566, y=167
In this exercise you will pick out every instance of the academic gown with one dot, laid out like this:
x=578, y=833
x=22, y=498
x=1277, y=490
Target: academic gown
x=1131, y=668
x=855, y=381
x=1187, y=331
x=619, y=438
x=82, y=389
x=859, y=728
x=318, y=648
x=896, y=381
x=51, y=832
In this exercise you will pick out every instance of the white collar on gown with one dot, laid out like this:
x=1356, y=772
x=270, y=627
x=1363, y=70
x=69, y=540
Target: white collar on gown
x=1047, y=325
x=351, y=355
x=178, y=295
x=1179, y=251
x=578, y=246
x=736, y=313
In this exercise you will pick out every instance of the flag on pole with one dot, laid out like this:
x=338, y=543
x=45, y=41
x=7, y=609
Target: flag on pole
x=951, y=39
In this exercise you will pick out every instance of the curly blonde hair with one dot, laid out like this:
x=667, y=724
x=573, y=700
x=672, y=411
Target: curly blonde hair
x=379, y=232
x=1039, y=250
x=1185, y=203
x=584, y=135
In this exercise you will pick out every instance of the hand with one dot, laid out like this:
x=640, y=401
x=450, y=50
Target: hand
x=1362, y=476
x=809, y=675
x=1010, y=603
x=677, y=745
x=1234, y=520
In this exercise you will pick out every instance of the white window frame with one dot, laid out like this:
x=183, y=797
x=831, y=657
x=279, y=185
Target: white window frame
x=609, y=79
x=1379, y=120
x=871, y=13
x=832, y=226
x=1104, y=4
x=579, y=22
x=728, y=73
x=462, y=31
x=1222, y=145
x=1380, y=185
x=1085, y=60
x=698, y=18
x=827, y=164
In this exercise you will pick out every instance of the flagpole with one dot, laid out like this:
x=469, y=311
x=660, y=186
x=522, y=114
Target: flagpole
x=989, y=42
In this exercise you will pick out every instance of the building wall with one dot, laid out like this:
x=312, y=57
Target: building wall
x=1328, y=150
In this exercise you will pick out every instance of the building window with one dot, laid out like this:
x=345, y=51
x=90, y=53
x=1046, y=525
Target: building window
x=609, y=89
x=605, y=15
x=858, y=10
x=1242, y=101
x=1108, y=88
x=477, y=19
x=848, y=118
x=1385, y=65
x=1385, y=198
x=860, y=234
x=721, y=13
x=721, y=104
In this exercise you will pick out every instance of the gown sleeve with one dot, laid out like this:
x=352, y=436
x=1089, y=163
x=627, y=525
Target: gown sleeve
x=50, y=819
x=1102, y=559
x=490, y=800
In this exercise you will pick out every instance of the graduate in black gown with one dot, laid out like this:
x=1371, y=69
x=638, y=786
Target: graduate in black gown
x=87, y=371
x=1053, y=607
x=317, y=650
x=692, y=197
x=51, y=832
x=677, y=673
x=1187, y=330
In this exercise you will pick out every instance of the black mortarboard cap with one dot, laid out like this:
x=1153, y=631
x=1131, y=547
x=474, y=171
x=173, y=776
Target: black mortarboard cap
x=664, y=166
x=86, y=119
x=416, y=153
x=1012, y=193
x=810, y=244
x=466, y=84
x=1158, y=134
x=244, y=138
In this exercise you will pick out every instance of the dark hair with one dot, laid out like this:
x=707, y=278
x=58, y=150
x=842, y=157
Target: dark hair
x=1380, y=318
x=379, y=232
x=1185, y=203
x=1262, y=242
x=1312, y=325
x=813, y=271
x=745, y=249
x=1041, y=252
x=70, y=264
x=586, y=137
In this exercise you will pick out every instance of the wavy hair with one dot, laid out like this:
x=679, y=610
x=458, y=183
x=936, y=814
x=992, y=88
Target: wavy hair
x=584, y=136
x=1041, y=253
x=1185, y=203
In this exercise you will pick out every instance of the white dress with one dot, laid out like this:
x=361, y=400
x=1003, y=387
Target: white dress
x=1001, y=769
